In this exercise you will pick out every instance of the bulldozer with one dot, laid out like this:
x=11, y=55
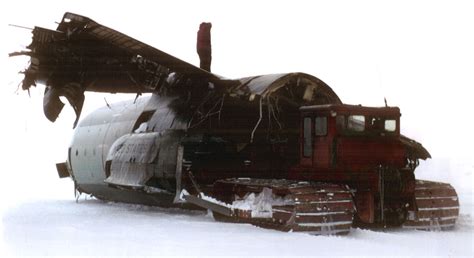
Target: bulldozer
x=279, y=151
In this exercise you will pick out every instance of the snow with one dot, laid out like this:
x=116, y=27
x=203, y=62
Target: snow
x=209, y=199
x=423, y=63
x=261, y=204
x=142, y=128
x=60, y=226
x=47, y=221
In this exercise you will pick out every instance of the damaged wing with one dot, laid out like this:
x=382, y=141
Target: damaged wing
x=82, y=55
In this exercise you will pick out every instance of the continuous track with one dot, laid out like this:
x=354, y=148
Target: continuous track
x=316, y=208
x=437, y=207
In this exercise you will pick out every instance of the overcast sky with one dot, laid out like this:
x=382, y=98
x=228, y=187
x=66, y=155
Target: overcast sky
x=417, y=54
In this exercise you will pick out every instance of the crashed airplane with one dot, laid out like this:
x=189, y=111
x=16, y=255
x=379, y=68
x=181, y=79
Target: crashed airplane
x=278, y=151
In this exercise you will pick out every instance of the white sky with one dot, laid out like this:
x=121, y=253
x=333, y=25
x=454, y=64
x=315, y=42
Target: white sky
x=417, y=54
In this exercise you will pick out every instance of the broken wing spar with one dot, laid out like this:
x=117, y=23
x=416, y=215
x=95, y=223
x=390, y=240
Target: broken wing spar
x=82, y=55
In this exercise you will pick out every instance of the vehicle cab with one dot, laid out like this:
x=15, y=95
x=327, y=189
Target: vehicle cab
x=350, y=137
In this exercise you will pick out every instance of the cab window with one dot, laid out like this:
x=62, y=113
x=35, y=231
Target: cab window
x=356, y=123
x=320, y=126
x=307, y=138
x=390, y=125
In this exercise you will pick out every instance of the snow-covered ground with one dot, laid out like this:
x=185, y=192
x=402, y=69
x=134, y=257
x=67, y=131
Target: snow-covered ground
x=62, y=227
x=41, y=217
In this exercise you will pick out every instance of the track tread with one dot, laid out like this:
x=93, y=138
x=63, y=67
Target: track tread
x=317, y=208
x=437, y=206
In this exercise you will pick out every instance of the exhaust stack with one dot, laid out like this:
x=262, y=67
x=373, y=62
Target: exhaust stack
x=203, y=46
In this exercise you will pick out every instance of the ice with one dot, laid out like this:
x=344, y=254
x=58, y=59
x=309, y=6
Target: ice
x=214, y=200
x=260, y=204
x=142, y=128
x=183, y=193
x=150, y=189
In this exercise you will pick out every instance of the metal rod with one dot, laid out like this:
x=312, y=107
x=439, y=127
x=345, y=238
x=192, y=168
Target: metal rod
x=193, y=181
x=19, y=26
x=259, y=120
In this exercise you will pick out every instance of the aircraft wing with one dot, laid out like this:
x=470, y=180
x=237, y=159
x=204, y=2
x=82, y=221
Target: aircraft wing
x=83, y=55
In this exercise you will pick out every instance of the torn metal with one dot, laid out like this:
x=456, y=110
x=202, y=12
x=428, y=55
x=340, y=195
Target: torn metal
x=82, y=55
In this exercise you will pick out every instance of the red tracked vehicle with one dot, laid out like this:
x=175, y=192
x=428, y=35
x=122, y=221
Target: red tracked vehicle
x=279, y=151
x=354, y=168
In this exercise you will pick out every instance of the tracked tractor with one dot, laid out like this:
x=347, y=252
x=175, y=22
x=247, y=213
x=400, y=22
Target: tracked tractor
x=354, y=169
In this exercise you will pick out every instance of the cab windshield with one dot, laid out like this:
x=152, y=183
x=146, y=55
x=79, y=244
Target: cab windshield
x=360, y=124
